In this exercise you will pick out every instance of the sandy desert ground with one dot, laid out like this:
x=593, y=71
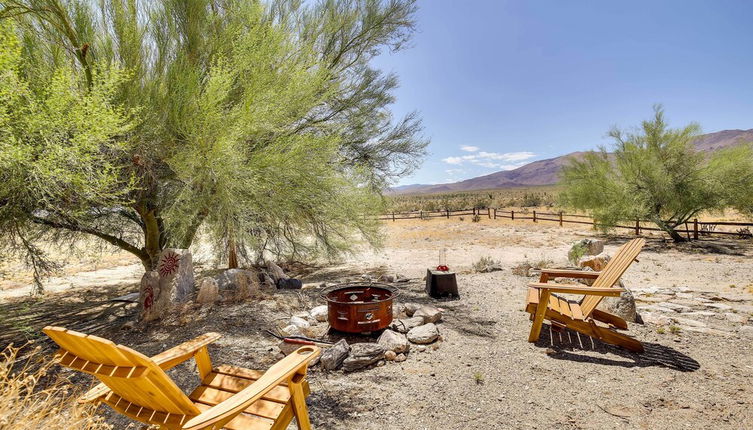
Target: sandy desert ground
x=696, y=299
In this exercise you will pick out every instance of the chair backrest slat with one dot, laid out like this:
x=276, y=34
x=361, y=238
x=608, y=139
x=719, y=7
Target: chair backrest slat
x=147, y=386
x=612, y=272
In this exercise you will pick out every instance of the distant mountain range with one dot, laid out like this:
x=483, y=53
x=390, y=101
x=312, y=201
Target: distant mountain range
x=546, y=172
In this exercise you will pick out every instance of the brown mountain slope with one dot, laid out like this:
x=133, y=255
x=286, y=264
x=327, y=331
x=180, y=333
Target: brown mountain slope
x=546, y=172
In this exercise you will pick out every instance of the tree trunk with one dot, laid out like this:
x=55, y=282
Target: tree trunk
x=677, y=237
x=153, y=237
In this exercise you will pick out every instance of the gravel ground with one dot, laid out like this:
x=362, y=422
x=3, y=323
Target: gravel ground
x=484, y=374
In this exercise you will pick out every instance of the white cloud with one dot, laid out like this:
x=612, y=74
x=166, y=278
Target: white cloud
x=469, y=148
x=491, y=160
x=453, y=160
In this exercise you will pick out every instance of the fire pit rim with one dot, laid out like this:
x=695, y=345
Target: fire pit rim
x=393, y=290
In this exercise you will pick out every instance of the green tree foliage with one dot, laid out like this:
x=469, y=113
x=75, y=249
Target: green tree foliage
x=656, y=174
x=261, y=124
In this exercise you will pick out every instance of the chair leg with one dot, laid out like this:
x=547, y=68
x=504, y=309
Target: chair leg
x=538, y=319
x=298, y=398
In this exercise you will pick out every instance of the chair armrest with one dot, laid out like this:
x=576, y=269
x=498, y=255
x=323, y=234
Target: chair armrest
x=178, y=354
x=280, y=372
x=165, y=360
x=577, y=289
x=569, y=273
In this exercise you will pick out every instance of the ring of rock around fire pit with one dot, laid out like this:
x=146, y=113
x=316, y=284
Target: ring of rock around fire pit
x=360, y=307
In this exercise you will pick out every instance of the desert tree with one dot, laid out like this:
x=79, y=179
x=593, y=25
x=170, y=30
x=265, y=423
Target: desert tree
x=261, y=125
x=656, y=174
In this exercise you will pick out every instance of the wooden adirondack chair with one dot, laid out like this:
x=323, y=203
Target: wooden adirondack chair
x=227, y=398
x=582, y=316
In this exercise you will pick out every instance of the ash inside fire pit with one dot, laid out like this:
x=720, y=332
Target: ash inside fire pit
x=360, y=307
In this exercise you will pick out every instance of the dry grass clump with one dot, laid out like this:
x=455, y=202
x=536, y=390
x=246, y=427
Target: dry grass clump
x=33, y=399
x=486, y=264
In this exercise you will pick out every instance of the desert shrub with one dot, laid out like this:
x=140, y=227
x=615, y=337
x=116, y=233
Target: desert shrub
x=522, y=269
x=486, y=264
x=476, y=218
x=34, y=399
x=576, y=252
x=657, y=174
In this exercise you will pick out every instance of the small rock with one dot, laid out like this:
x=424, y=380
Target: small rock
x=362, y=355
x=332, y=358
x=320, y=313
x=405, y=325
x=292, y=329
x=411, y=308
x=390, y=356
x=130, y=325
x=595, y=262
x=209, y=291
x=400, y=358
x=430, y=314
x=288, y=348
x=420, y=348
x=299, y=322
x=386, y=278
x=687, y=322
x=393, y=341
x=424, y=334
x=655, y=319
x=736, y=318
x=401, y=278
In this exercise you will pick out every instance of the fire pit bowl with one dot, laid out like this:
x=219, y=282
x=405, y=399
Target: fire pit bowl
x=360, y=307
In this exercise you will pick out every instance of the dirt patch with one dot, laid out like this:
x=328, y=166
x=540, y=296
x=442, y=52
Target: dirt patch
x=484, y=374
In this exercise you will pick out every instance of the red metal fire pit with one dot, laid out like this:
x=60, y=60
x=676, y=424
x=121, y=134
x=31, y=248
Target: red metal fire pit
x=360, y=307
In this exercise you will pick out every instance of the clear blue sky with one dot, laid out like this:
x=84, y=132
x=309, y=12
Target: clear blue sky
x=517, y=81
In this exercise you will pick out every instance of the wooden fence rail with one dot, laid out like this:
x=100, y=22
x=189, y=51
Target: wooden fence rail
x=693, y=229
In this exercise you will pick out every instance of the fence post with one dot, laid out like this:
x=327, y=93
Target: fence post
x=393, y=216
x=421, y=214
x=637, y=227
x=448, y=213
x=560, y=218
x=695, y=229
x=495, y=213
x=534, y=216
x=512, y=215
x=489, y=212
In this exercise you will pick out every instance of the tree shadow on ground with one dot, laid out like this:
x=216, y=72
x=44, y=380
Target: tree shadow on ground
x=87, y=310
x=703, y=246
x=573, y=346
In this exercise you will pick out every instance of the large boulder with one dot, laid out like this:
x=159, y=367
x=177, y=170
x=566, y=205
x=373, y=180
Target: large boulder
x=172, y=283
x=430, y=314
x=622, y=306
x=238, y=284
x=332, y=358
x=275, y=271
x=393, y=341
x=423, y=334
x=362, y=355
x=208, y=291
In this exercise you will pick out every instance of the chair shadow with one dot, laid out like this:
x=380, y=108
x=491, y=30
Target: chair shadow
x=567, y=343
